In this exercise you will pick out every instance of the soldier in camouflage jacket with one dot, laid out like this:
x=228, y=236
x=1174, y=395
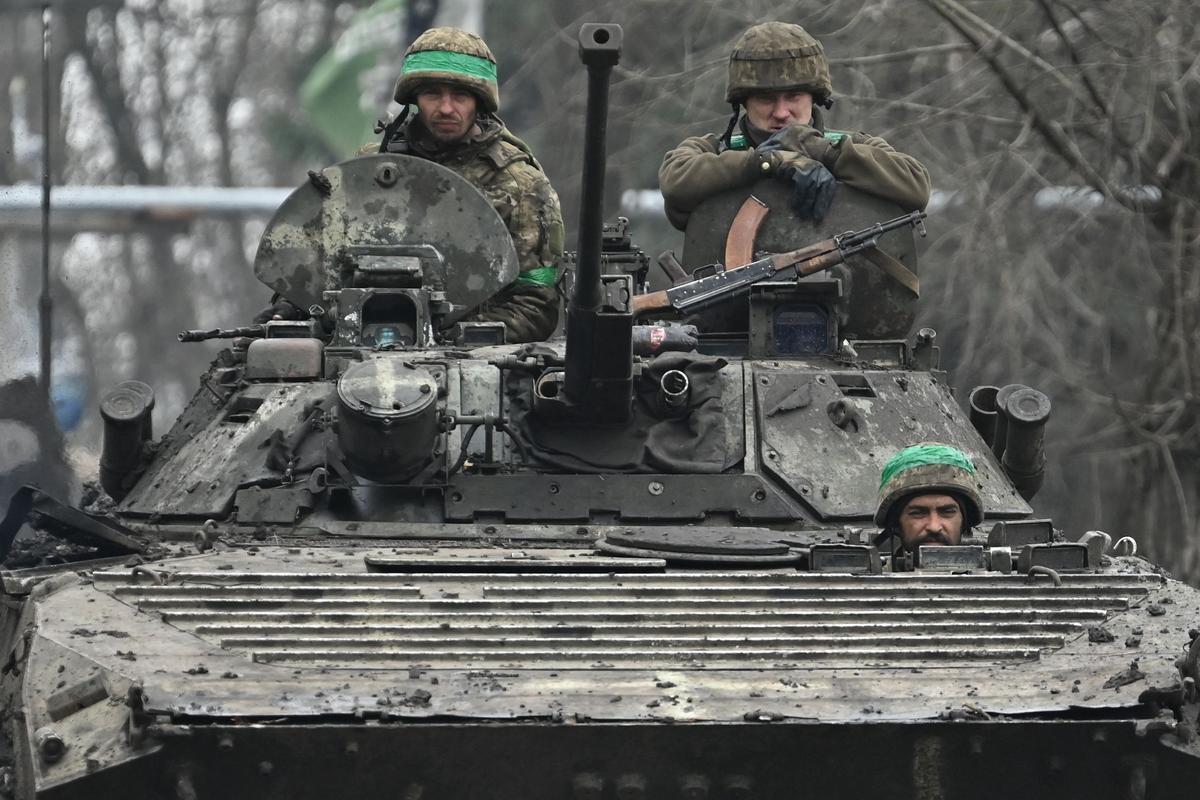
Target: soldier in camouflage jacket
x=450, y=76
x=778, y=78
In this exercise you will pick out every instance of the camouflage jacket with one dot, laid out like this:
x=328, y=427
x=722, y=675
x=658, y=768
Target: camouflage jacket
x=701, y=166
x=502, y=167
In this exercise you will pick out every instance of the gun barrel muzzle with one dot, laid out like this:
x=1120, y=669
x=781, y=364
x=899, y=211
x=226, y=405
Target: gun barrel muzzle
x=982, y=402
x=1027, y=411
x=1000, y=438
x=675, y=390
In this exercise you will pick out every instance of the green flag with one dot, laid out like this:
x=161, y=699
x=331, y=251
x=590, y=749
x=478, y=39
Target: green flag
x=333, y=94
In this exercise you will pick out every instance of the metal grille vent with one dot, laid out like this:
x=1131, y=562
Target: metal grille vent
x=677, y=620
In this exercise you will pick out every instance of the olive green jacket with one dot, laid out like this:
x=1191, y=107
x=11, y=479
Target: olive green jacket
x=700, y=167
x=502, y=167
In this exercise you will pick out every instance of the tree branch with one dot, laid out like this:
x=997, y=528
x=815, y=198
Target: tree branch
x=1073, y=54
x=1051, y=130
x=961, y=18
x=110, y=93
x=901, y=55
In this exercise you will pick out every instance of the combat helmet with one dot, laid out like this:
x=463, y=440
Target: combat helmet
x=928, y=468
x=449, y=55
x=776, y=57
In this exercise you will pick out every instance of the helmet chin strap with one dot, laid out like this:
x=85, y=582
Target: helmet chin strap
x=733, y=121
x=392, y=129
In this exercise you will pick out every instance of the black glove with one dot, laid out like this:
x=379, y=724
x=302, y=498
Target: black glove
x=813, y=185
x=806, y=140
x=813, y=188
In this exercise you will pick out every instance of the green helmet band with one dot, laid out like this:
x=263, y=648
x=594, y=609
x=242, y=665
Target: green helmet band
x=928, y=468
x=440, y=61
x=925, y=455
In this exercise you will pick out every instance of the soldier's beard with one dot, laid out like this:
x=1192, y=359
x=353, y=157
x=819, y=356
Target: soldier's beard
x=447, y=129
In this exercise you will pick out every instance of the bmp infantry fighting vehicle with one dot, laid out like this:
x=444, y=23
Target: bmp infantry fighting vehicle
x=384, y=554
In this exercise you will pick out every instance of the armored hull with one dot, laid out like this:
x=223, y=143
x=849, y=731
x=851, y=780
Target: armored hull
x=296, y=669
x=382, y=643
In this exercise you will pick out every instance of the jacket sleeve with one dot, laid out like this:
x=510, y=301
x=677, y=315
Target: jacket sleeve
x=871, y=164
x=528, y=307
x=695, y=171
x=529, y=313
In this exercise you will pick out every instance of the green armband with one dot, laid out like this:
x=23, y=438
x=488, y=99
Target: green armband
x=836, y=136
x=538, y=276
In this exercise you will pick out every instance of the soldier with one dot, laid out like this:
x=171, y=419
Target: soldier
x=779, y=78
x=928, y=496
x=450, y=76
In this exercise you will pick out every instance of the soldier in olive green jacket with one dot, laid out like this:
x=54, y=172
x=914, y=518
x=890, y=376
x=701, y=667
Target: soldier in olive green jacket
x=450, y=76
x=778, y=80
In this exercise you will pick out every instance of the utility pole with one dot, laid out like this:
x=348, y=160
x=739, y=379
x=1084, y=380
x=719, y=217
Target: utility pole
x=45, y=305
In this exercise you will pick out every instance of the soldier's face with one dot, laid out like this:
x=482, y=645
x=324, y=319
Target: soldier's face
x=772, y=111
x=447, y=110
x=930, y=519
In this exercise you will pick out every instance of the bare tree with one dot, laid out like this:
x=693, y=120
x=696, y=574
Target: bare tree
x=1108, y=100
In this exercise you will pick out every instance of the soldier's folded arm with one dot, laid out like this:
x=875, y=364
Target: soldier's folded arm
x=529, y=312
x=871, y=164
x=695, y=170
x=778, y=86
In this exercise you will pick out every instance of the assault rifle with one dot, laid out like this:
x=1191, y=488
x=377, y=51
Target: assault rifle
x=703, y=292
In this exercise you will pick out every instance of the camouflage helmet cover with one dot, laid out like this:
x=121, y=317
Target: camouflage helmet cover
x=776, y=57
x=928, y=468
x=449, y=55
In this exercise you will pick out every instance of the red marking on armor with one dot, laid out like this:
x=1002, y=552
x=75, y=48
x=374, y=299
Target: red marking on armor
x=657, y=335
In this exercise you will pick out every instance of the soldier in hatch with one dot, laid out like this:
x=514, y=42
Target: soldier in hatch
x=450, y=76
x=928, y=496
x=778, y=86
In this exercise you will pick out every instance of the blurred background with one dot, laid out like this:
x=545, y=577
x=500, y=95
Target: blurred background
x=1061, y=136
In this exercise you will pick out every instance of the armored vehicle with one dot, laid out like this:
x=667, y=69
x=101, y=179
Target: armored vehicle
x=383, y=553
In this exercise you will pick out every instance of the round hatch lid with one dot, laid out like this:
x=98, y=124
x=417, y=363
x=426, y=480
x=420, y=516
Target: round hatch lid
x=387, y=387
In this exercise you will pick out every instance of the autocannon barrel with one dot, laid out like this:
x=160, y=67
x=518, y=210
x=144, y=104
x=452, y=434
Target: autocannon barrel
x=600, y=50
x=598, y=376
x=1027, y=411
